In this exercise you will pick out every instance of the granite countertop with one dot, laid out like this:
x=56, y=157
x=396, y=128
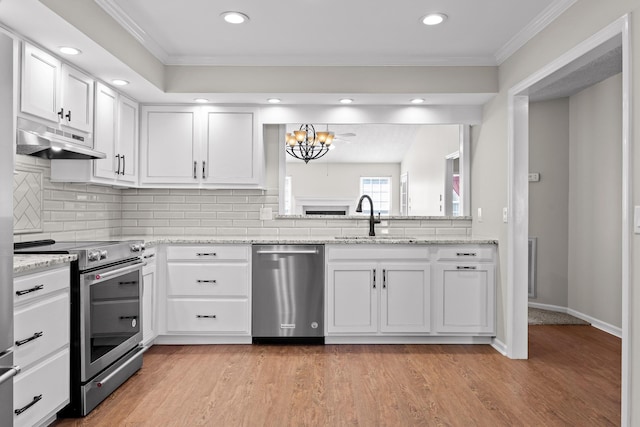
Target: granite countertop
x=365, y=240
x=26, y=263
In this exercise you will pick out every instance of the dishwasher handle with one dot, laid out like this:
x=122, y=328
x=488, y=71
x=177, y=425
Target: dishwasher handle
x=286, y=252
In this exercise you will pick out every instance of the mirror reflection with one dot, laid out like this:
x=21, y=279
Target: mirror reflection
x=408, y=170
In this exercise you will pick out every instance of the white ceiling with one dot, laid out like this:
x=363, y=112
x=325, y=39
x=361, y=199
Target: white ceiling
x=327, y=32
x=295, y=32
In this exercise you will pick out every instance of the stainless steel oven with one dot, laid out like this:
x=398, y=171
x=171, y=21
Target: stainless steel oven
x=110, y=319
x=105, y=313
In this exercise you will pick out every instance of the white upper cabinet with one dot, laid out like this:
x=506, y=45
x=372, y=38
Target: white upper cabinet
x=201, y=147
x=55, y=91
x=116, y=135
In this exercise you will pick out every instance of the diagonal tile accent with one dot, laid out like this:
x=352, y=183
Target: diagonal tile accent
x=27, y=201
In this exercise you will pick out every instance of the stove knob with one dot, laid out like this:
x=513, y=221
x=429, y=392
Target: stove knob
x=136, y=247
x=143, y=246
x=103, y=254
x=93, y=256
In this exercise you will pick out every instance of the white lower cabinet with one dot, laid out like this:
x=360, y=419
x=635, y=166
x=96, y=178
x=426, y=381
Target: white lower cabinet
x=465, y=296
x=382, y=296
x=41, y=331
x=207, y=289
x=438, y=293
x=149, y=297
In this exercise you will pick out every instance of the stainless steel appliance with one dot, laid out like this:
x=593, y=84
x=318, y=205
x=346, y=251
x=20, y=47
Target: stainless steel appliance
x=106, y=331
x=288, y=293
x=7, y=370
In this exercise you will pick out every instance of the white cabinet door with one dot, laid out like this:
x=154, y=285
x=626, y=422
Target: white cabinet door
x=169, y=139
x=148, y=303
x=465, y=299
x=231, y=148
x=77, y=99
x=352, y=298
x=128, y=140
x=40, y=84
x=405, y=298
x=105, y=132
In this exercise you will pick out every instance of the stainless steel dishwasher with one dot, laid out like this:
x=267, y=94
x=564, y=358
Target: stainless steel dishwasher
x=288, y=293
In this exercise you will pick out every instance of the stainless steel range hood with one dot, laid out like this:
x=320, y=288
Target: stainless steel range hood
x=35, y=139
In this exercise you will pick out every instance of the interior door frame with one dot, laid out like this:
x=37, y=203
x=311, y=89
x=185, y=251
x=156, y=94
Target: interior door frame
x=518, y=200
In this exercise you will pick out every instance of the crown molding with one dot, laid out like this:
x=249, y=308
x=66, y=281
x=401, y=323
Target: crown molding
x=545, y=18
x=126, y=22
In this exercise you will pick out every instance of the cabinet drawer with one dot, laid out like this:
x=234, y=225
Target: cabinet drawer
x=214, y=316
x=208, y=279
x=36, y=285
x=41, y=328
x=46, y=386
x=208, y=253
x=465, y=253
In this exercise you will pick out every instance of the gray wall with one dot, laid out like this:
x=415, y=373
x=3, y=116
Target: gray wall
x=595, y=211
x=549, y=198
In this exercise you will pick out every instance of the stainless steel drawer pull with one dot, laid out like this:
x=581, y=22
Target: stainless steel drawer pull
x=205, y=316
x=205, y=281
x=374, y=278
x=35, y=400
x=466, y=254
x=203, y=168
x=31, y=338
x=384, y=279
x=28, y=291
x=206, y=254
x=466, y=267
x=127, y=317
x=195, y=167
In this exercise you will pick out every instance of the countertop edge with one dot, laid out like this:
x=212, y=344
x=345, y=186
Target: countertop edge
x=32, y=262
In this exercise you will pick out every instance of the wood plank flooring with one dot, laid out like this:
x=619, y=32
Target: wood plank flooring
x=571, y=379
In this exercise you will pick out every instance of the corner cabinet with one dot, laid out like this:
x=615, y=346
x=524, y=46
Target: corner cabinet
x=201, y=147
x=116, y=135
x=54, y=91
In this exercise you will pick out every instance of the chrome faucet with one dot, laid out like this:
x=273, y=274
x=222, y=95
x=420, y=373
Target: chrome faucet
x=372, y=221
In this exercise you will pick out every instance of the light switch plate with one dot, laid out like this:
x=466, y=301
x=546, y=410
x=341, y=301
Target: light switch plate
x=505, y=214
x=636, y=219
x=479, y=214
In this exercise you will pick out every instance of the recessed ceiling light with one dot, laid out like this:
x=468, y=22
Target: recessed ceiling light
x=417, y=100
x=274, y=100
x=201, y=100
x=234, y=17
x=346, y=101
x=67, y=50
x=434, y=19
x=119, y=82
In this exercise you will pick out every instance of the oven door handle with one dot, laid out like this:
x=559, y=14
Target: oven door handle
x=104, y=276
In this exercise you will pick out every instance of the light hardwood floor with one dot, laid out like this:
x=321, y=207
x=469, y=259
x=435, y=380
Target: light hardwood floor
x=572, y=378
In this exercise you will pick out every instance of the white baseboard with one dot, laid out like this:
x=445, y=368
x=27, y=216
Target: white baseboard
x=499, y=346
x=599, y=324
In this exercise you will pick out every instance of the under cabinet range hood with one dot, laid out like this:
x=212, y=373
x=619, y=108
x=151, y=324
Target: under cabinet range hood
x=35, y=139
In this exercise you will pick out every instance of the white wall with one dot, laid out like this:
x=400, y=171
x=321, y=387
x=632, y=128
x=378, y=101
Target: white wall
x=549, y=198
x=320, y=179
x=595, y=201
x=425, y=164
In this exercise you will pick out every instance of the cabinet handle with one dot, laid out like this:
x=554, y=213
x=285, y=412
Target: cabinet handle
x=466, y=267
x=35, y=400
x=118, y=168
x=374, y=278
x=205, y=281
x=127, y=317
x=203, y=167
x=466, y=254
x=61, y=113
x=195, y=167
x=31, y=338
x=28, y=291
x=206, y=254
x=68, y=116
x=205, y=316
x=123, y=165
x=384, y=279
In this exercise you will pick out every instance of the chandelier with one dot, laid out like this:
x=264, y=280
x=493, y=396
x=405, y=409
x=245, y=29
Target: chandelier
x=307, y=144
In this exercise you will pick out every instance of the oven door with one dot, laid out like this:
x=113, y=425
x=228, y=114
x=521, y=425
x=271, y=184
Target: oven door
x=110, y=319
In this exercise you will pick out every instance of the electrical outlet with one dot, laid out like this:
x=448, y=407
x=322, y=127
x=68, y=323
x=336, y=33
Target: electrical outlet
x=534, y=177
